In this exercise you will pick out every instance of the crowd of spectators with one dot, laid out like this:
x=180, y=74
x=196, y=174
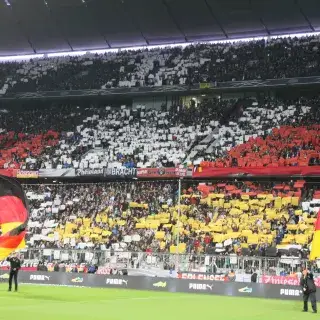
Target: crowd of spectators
x=234, y=217
x=240, y=217
x=222, y=132
x=88, y=215
x=287, y=146
x=94, y=137
x=263, y=59
x=267, y=132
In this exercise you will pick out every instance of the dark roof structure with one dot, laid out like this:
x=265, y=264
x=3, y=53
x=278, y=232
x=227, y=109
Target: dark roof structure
x=42, y=26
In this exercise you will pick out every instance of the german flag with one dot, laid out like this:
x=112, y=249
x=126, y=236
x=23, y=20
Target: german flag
x=315, y=247
x=14, y=216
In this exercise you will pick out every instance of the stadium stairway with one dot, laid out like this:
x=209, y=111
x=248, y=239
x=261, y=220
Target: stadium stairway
x=207, y=145
x=234, y=116
x=203, y=145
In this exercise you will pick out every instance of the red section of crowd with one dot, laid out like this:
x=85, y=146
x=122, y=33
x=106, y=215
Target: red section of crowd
x=286, y=146
x=16, y=147
x=279, y=190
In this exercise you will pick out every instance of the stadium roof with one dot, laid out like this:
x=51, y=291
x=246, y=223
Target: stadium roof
x=41, y=26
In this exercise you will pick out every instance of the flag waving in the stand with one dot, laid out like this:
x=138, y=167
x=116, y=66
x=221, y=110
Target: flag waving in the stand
x=13, y=216
x=315, y=247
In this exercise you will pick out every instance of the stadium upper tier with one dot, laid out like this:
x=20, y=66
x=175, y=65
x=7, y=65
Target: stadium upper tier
x=276, y=58
x=236, y=217
x=220, y=133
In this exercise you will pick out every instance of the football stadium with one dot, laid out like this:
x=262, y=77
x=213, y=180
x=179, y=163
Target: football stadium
x=159, y=159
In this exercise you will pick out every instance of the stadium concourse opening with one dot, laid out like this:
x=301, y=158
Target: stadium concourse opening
x=182, y=175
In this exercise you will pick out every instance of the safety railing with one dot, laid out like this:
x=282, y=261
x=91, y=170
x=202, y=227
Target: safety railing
x=214, y=264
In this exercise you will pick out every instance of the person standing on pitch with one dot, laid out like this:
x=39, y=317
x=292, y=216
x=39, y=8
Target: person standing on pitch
x=309, y=290
x=15, y=265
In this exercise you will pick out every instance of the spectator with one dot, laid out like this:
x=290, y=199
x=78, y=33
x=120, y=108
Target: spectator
x=254, y=276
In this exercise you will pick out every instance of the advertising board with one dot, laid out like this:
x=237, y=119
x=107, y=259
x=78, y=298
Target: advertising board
x=237, y=289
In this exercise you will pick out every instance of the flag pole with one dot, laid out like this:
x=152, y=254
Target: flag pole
x=178, y=224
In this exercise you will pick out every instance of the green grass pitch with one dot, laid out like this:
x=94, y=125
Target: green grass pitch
x=66, y=303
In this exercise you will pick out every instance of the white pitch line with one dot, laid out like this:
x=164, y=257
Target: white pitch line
x=148, y=298
x=108, y=301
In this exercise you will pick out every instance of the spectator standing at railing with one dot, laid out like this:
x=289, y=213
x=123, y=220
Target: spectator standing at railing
x=231, y=276
x=254, y=276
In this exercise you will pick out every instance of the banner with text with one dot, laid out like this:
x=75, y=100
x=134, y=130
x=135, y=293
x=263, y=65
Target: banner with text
x=123, y=172
x=24, y=174
x=89, y=172
x=288, y=281
x=163, y=172
x=235, y=289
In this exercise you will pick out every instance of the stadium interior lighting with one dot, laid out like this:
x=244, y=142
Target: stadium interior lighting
x=183, y=45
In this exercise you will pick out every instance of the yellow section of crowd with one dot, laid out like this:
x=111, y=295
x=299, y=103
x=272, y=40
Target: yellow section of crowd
x=242, y=214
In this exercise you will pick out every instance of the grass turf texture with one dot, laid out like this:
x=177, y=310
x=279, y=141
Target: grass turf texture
x=65, y=303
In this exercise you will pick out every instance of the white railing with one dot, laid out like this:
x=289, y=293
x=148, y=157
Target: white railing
x=165, y=261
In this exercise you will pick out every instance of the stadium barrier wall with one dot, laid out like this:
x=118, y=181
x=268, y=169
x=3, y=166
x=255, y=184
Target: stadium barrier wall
x=235, y=289
x=212, y=172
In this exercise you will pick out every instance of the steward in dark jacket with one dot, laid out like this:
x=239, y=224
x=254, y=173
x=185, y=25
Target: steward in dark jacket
x=15, y=265
x=309, y=290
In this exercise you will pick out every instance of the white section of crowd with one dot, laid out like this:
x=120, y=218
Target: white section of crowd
x=162, y=66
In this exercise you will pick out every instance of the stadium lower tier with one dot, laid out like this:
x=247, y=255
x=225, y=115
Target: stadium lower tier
x=241, y=217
